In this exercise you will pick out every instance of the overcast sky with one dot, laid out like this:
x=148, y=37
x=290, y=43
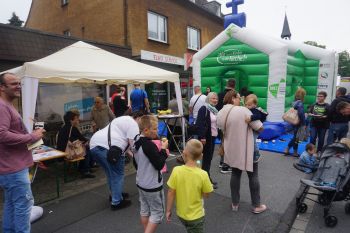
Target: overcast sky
x=324, y=21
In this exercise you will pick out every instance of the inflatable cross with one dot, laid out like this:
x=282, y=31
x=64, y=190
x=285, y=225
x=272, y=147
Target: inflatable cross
x=237, y=18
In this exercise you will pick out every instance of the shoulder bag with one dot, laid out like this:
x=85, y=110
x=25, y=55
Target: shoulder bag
x=114, y=153
x=291, y=116
x=75, y=149
x=221, y=151
x=193, y=128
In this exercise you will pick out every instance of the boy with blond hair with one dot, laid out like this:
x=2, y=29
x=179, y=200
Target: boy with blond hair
x=251, y=102
x=189, y=184
x=149, y=161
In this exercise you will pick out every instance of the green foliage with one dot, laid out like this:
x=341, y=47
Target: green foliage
x=15, y=20
x=314, y=43
x=344, y=64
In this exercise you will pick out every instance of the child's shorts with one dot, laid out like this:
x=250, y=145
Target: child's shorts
x=152, y=205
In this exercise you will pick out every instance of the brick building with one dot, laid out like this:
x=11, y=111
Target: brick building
x=159, y=32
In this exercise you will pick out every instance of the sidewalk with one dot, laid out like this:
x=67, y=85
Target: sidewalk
x=89, y=210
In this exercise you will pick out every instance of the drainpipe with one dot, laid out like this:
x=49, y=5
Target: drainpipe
x=126, y=43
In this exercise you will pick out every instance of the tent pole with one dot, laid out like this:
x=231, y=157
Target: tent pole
x=179, y=104
x=29, y=96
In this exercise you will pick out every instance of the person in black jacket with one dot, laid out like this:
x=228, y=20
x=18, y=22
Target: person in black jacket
x=71, y=122
x=119, y=103
x=149, y=161
x=339, y=127
x=208, y=131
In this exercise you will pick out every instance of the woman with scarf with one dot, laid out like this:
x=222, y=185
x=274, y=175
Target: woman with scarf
x=207, y=130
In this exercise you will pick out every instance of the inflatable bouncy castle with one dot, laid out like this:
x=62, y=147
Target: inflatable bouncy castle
x=270, y=68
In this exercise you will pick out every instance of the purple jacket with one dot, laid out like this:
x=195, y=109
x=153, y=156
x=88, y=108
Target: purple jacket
x=14, y=155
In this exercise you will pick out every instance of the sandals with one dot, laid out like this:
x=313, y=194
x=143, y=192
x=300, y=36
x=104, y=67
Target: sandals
x=260, y=209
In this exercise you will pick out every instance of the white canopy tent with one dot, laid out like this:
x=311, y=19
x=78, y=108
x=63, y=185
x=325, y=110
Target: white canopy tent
x=84, y=63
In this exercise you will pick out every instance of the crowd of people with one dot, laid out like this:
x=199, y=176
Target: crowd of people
x=122, y=132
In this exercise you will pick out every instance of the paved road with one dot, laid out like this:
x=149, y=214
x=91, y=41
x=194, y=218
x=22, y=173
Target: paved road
x=89, y=211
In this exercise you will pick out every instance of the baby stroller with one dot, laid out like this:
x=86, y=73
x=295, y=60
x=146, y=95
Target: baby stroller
x=331, y=179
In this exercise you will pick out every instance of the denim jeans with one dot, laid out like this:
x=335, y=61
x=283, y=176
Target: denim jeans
x=337, y=131
x=18, y=201
x=294, y=142
x=317, y=133
x=114, y=173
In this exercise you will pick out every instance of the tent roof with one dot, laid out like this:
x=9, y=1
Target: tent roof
x=82, y=62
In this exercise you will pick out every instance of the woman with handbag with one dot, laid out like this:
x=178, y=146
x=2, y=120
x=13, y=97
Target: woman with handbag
x=239, y=149
x=299, y=129
x=208, y=131
x=68, y=135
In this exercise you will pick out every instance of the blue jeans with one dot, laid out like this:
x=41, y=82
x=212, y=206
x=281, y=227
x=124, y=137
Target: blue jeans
x=114, y=173
x=18, y=201
x=337, y=131
x=320, y=133
x=294, y=142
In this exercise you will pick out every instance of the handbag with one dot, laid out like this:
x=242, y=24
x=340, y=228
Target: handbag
x=75, y=149
x=192, y=129
x=221, y=150
x=114, y=153
x=291, y=116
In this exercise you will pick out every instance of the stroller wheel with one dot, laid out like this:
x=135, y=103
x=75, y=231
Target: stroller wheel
x=347, y=208
x=302, y=208
x=331, y=221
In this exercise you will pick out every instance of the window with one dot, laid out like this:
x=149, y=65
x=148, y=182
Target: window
x=157, y=27
x=66, y=32
x=64, y=2
x=193, y=38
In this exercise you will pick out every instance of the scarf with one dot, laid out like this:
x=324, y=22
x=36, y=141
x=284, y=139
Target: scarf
x=211, y=108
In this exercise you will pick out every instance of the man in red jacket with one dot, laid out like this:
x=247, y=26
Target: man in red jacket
x=15, y=158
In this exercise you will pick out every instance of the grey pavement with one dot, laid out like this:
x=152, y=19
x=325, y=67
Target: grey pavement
x=89, y=211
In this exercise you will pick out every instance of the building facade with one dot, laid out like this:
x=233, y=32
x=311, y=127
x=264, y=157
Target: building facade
x=159, y=32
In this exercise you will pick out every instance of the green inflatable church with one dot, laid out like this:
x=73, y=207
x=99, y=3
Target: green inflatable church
x=271, y=68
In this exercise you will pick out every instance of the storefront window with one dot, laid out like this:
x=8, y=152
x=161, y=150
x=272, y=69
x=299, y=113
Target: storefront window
x=54, y=100
x=157, y=96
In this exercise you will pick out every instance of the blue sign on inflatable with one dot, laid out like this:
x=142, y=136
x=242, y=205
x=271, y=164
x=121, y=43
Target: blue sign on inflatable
x=237, y=18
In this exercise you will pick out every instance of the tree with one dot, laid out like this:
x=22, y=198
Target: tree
x=313, y=43
x=15, y=20
x=344, y=64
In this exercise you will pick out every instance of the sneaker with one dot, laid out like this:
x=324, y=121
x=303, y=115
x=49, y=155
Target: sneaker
x=225, y=170
x=234, y=208
x=124, y=195
x=259, y=210
x=220, y=165
x=257, y=157
x=123, y=204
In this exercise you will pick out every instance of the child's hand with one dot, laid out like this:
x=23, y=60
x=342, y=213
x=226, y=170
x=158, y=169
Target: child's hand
x=165, y=143
x=248, y=120
x=168, y=216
